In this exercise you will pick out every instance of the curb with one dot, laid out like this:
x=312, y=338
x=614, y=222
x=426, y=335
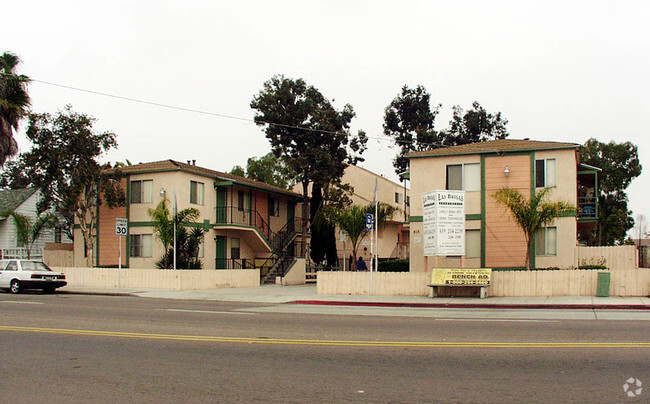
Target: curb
x=478, y=306
x=92, y=293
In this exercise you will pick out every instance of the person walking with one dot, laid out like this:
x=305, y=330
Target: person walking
x=361, y=265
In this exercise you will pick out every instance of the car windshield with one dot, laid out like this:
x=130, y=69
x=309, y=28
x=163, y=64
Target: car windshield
x=34, y=266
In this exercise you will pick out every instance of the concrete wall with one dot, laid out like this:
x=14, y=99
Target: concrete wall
x=161, y=279
x=624, y=282
x=297, y=275
x=384, y=283
x=628, y=282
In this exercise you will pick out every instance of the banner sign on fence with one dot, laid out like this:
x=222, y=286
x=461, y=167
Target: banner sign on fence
x=461, y=276
x=443, y=217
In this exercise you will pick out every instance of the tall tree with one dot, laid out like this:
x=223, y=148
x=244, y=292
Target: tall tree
x=318, y=223
x=475, y=125
x=13, y=175
x=532, y=214
x=63, y=164
x=268, y=169
x=14, y=103
x=410, y=120
x=620, y=165
x=308, y=133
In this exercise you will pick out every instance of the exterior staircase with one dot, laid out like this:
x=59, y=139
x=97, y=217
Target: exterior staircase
x=286, y=247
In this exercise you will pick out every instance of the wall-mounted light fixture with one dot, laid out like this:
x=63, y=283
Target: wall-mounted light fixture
x=162, y=192
x=506, y=172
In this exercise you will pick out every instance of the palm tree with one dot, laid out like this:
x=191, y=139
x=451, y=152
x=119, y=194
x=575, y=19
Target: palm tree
x=14, y=103
x=352, y=220
x=27, y=232
x=187, y=242
x=531, y=215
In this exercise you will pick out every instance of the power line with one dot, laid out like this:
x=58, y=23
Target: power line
x=209, y=113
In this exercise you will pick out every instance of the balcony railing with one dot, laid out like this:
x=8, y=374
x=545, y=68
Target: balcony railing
x=587, y=207
x=234, y=263
x=244, y=217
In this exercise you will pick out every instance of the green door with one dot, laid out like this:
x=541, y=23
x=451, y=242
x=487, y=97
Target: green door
x=221, y=260
x=222, y=213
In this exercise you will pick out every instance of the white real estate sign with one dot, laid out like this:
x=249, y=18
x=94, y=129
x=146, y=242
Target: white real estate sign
x=429, y=213
x=443, y=218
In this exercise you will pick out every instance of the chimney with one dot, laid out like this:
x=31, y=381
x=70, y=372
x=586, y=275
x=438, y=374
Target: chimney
x=193, y=162
x=188, y=162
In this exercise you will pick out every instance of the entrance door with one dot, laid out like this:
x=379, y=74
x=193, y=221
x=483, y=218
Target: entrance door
x=221, y=260
x=222, y=196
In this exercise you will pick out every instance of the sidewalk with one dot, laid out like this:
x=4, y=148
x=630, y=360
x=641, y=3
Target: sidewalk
x=306, y=294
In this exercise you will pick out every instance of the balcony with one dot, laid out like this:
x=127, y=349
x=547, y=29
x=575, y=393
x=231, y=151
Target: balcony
x=588, y=193
x=232, y=215
x=588, y=207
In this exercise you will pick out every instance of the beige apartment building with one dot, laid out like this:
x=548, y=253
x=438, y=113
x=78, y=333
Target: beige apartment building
x=246, y=223
x=492, y=238
x=393, y=239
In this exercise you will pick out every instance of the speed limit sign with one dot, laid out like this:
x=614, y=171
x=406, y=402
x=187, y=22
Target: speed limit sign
x=121, y=226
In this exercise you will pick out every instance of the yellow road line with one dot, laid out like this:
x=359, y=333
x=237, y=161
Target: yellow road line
x=283, y=341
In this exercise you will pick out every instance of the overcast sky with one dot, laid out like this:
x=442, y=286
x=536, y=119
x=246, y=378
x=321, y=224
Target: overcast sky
x=557, y=70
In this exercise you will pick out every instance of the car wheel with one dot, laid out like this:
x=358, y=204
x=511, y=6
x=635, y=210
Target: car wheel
x=15, y=286
x=49, y=290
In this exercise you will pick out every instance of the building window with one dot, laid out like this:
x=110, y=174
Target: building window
x=465, y=177
x=196, y=192
x=545, y=173
x=546, y=241
x=243, y=201
x=274, y=207
x=58, y=235
x=473, y=244
x=235, y=252
x=141, y=191
x=398, y=197
x=141, y=245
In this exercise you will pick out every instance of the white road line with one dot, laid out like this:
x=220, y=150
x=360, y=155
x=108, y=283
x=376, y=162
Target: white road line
x=497, y=319
x=19, y=302
x=210, y=312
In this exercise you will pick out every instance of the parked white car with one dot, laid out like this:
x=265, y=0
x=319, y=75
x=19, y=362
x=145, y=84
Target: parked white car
x=18, y=275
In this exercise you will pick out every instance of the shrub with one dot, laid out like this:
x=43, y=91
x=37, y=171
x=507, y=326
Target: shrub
x=393, y=266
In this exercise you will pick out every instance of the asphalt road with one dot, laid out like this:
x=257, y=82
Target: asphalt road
x=73, y=348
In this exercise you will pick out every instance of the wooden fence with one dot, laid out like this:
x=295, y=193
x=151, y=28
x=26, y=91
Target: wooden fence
x=161, y=279
x=614, y=258
x=624, y=282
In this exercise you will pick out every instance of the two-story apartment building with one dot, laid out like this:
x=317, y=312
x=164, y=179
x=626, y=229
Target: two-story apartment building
x=492, y=237
x=247, y=223
x=393, y=238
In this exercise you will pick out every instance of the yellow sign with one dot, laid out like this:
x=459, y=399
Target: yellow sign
x=461, y=276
